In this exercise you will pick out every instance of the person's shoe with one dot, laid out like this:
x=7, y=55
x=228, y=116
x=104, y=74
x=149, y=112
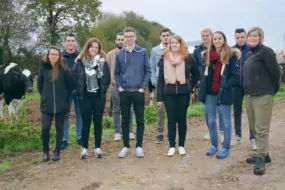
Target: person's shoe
x=222, y=137
x=207, y=137
x=252, y=159
x=98, y=153
x=84, y=153
x=118, y=137
x=140, y=152
x=212, y=151
x=159, y=139
x=124, y=152
x=171, y=152
x=181, y=151
x=235, y=140
x=224, y=153
x=79, y=141
x=56, y=155
x=238, y=138
x=132, y=136
x=253, y=145
x=46, y=156
x=259, y=167
x=64, y=145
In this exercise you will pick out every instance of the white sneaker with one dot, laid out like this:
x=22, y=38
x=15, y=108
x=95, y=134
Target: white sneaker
x=253, y=145
x=84, y=153
x=171, y=152
x=238, y=138
x=207, y=137
x=181, y=151
x=140, y=152
x=222, y=137
x=234, y=142
x=98, y=153
x=124, y=152
x=118, y=137
x=132, y=136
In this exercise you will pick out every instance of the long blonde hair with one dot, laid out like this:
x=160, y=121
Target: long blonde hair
x=225, y=53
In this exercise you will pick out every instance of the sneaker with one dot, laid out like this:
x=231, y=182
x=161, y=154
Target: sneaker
x=212, y=151
x=222, y=136
x=124, y=152
x=84, y=153
x=63, y=145
x=171, y=152
x=235, y=141
x=159, y=139
x=252, y=159
x=259, y=167
x=56, y=155
x=253, y=144
x=140, y=152
x=118, y=137
x=181, y=151
x=98, y=153
x=224, y=153
x=132, y=136
x=79, y=141
x=238, y=138
x=207, y=137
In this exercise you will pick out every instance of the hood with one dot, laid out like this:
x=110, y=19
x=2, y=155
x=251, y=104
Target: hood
x=66, y=54
x=245, y=46
x=234, y=51
x=137, y=49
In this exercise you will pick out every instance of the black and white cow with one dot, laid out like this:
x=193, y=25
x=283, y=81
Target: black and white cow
x=14, y=82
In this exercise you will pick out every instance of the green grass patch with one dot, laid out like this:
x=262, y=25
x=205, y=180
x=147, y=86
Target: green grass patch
x=4, y=166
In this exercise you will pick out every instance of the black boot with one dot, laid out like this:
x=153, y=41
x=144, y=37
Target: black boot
x=46, y=156
x=252, y=159
x=259, y=168
x=56, y=155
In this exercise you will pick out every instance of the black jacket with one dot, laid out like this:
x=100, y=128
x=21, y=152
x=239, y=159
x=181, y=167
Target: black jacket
x=54, y=94
x=80, y=78
x=261, y=72
x=192, y=76
x=69, y=58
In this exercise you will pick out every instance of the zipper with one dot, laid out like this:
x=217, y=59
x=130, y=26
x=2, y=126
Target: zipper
x=54, y=105
x=176, y=89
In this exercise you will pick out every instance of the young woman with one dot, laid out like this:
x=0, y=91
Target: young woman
x=221, y=74
x=174, y=87
x=261, y=83
x=55, y=84
x=92, y=76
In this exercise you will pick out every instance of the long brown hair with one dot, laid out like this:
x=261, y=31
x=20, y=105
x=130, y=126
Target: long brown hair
x=183, y=53
x=225, y=53
x=59, y=63
x=84, y=53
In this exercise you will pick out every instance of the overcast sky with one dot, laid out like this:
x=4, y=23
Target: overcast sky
x=188, y=17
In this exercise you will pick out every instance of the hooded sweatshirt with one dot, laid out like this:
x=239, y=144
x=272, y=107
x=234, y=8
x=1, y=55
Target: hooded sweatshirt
x=132, y=69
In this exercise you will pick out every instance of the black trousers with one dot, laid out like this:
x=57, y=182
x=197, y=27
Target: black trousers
x=176, y=109
x=46, y=125
x=138, y=101
x=92, y=106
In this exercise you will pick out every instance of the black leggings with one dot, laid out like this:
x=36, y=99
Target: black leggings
x=92, y=105
x=46, y=125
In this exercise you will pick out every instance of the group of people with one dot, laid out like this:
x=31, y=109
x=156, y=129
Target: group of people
x=223, y=74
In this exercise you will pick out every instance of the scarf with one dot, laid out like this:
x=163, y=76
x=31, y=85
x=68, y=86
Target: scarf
x=174, y=70
x=215, y=58
x=93, y=70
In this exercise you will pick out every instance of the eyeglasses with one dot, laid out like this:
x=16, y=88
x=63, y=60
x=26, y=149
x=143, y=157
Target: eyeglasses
x=129, y=37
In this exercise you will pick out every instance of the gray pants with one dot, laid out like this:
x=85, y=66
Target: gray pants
x=116, y=112
x=160, y=119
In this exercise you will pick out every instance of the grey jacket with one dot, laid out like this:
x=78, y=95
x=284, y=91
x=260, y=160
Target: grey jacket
x=155, y=56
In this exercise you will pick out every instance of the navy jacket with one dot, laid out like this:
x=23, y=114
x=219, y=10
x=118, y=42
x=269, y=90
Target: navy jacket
x=132, y=69
x=69, y=58
x=230, y=78
x=200, y=59
x=244, y=51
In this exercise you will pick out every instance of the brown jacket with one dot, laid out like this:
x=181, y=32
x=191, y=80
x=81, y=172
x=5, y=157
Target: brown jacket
x=111, y=60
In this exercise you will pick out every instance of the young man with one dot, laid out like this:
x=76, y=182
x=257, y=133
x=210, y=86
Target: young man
x=132, y=74
x=238, y=92
x=116, y=110
x=70, y=53
x=155, y=56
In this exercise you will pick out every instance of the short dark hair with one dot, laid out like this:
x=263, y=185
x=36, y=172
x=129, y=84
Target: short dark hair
x=129, y=29
x=240, y=30
x=165, y=30
x=119, y=34
x=70, y=35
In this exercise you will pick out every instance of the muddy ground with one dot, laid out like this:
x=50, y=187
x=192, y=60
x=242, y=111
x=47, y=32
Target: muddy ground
x=155, y=170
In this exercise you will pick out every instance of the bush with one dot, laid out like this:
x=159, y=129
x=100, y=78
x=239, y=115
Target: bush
x=150, y=116
x=107, y=122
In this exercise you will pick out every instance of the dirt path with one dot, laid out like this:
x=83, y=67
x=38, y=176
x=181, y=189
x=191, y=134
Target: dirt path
x=156, y=171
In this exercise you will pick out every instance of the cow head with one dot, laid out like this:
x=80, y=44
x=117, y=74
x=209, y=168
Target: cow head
x=29, y=80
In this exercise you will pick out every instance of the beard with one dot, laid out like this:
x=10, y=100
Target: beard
x=119, y=46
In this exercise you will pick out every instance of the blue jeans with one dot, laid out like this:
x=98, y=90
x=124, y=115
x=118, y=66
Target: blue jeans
x=211, y=108
x=77, y=116
x=221, y=124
